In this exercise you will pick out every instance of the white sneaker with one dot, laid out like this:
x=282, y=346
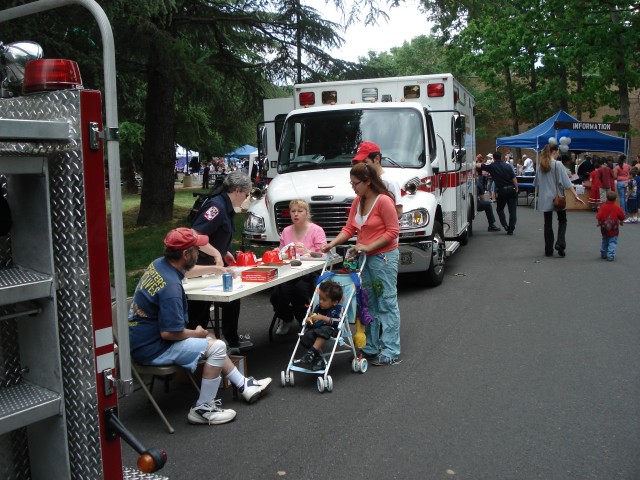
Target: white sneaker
x=211, y=414
x=283, y=327
x=253, y=389
x=628, y=220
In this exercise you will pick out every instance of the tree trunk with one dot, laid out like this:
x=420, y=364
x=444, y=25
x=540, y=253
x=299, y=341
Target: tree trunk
x=621, y=70
x=158, y=159
x=513, y=107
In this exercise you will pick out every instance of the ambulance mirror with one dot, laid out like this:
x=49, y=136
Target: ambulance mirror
x=457, y=130
x=263, y=145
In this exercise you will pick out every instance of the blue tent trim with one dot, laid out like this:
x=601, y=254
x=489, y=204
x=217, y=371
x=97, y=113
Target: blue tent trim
x=581, y=140
x=243, y=151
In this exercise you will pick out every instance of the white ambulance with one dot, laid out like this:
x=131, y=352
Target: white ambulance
x=425, y=127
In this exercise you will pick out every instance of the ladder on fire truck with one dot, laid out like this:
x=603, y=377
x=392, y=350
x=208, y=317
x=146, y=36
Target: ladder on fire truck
x=58, y=386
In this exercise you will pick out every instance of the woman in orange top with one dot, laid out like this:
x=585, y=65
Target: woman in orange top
x=374, y=219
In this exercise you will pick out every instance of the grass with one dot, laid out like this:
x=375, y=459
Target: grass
x=142, y=245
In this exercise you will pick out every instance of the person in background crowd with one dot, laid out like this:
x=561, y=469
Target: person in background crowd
x=594, y=176
x=632, y=196
x=369, y=153
x=205, y=176
x=621, y=175
x=528, y=167
x=506, y=187
x=585, y=168
x=159, y=335
x=216, y=220
x=609, y=217
x=486, y=207
x=605, y=175
x=374, y=219
x=491, y=188
x=551, y=180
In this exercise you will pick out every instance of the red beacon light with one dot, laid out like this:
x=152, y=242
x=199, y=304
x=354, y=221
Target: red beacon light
x=51, y=74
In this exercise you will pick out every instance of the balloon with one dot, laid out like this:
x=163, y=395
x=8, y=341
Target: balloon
x=552, y=141
x=564, y=133
x=564, y=140
x=564, y=148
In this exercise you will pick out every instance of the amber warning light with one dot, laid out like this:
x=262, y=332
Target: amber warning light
x=51, y=74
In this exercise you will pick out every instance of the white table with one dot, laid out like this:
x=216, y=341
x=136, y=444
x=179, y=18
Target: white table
x=209, y=288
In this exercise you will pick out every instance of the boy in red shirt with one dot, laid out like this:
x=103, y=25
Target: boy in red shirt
x=609, y=217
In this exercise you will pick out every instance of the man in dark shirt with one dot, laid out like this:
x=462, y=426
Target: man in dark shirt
x=585, y=168
x=506, y=189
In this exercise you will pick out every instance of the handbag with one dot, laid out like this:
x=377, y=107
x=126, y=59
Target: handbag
x=559, y=201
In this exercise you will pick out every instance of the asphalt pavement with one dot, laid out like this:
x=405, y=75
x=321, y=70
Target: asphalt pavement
x=518, y=366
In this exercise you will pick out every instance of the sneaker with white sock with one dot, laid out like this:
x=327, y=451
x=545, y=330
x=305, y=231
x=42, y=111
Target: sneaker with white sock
x=253, y=389
x=283, y=327
x=210, y=414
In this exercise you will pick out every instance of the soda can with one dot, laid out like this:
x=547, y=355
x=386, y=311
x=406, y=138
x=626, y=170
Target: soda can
x=292, y=252
x=227, y=282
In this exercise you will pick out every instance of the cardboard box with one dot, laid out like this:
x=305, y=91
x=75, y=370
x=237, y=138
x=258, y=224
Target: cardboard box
x=259, y=274
x=240, y=361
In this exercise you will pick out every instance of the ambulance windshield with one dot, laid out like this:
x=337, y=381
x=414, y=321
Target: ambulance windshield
x=330, y=138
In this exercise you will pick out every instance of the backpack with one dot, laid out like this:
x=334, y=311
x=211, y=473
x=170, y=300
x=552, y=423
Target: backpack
x=202, y=199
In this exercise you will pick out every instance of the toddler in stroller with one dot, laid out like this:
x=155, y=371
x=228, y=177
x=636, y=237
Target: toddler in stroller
x=333, y=308
x=322, y=324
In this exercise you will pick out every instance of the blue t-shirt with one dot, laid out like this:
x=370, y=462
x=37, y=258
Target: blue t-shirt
x=159, y=305
x=333, y=313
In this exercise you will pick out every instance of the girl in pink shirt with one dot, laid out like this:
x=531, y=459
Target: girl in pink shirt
x=374, y=219
x=290, y=299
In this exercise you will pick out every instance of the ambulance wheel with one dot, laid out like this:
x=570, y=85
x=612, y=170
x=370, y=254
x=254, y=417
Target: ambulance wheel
x=291, y=382
x=355, y=365
x=283, y=379
x=364, y=365
x=329, y=385
x=435, y=273
x=320, y=384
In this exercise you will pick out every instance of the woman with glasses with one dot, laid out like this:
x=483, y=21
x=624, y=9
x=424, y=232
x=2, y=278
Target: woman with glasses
x=215, y=219
x=374, y=219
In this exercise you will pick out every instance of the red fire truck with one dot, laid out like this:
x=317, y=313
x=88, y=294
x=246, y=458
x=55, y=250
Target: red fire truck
x=58, y=385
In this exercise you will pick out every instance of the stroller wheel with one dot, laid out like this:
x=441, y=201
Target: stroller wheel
x=320, y=384
x=355, y=365
x=329, y=384
x=364, y=364
x=283, y=379
x=291, y=382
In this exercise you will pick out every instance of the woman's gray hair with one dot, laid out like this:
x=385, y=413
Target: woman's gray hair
x=237, y=180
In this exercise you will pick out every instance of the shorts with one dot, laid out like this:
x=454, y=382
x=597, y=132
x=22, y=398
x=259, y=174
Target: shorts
x=185, y=353
x=632, y=205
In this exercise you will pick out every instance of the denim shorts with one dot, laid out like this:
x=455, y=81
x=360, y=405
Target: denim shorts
x=185, y=353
